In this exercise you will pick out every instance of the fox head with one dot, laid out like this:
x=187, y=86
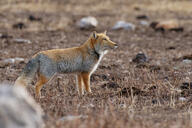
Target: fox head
x=101, y=42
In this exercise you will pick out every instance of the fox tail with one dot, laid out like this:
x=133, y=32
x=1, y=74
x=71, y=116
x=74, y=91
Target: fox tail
x=28, y=72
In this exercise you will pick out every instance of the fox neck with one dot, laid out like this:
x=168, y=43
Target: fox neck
x=91, y=48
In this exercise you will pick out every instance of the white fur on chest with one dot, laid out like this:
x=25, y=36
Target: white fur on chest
x=97, y=64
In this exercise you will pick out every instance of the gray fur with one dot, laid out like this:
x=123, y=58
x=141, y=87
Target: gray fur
x=46, y=66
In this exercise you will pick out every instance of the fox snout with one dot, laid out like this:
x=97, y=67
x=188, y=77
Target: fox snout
x=113, y=45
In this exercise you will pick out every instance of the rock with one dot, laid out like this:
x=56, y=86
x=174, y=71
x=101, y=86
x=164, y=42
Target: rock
x=128, y=91
x=110, y=85
x=9, y=61
x=19, y=25
x=152, y=87
x=186, y=85
x=123, y=25
x=18, y=109
x=169, y=25
x=187, y=61
x=141, y=17
x=140, y=58
x=148, y=66
x=144, y=23
x=182, y=99
x=185, y=57
x=87, y=23
x=154, y=101
x=70, y=117
x=170, y=48
x=18, y=40
x=122, y=106
x=33, y=18
x=4, y=36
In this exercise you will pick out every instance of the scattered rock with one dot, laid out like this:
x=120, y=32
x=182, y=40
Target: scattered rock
x=154, y=101
x=142, y=17
x=124, y=25
x=166, y=26
x=70, y=117
x=189, y=57
x=122, y=106
x=137, y=8
x=19, y=25
x=95, y=77
x=87, y=23
x=144, y=23
x=154, y=68
x=105, y=67
x=131, y=91
x=110, y=85
x=152, y=87
x=148, y=66
x=186, y=85
x=171, y=48
x=88, y=106
x=185, y=57
x=22, y=41
x=18, y=109
x=140, y=58
x=187, y=61
x=33, y=18
x=10, y=61
x=4, y=36
x=182, y=99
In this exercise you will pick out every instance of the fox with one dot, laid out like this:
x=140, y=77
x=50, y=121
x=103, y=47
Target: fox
x=82, y=61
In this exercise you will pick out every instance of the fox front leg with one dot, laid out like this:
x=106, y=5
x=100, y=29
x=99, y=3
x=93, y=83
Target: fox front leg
x=86, y=81
x=80, y=88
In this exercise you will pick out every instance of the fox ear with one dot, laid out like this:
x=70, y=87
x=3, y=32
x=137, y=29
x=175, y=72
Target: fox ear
x=94, y=34
x=105, y=32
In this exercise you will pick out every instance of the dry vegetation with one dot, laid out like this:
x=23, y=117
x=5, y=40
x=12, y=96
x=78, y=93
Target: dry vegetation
x=125, y=94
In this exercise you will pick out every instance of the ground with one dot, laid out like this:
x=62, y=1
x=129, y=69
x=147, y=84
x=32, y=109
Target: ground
x=125, y=94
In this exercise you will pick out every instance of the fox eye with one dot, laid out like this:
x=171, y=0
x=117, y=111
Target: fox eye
x=104, y=39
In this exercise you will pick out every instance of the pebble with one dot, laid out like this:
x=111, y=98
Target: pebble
x=87, y=23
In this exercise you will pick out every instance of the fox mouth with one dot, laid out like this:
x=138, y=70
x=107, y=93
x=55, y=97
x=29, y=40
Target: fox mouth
x=116, y=46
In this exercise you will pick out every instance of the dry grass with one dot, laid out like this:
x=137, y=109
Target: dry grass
x=153, y=101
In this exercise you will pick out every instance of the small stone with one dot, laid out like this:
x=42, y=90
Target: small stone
x=19, y=25
x=33, y=18
x=140, y=58
x=9, y=61
x=4, y=36
x=182, y=99
x=187, y=61
x=141, y=17
x=22, y=41
x=186, y=85
x=123, y=25
x=144, y=23
x=154, y=101
x=87, y=23
x=122, y=105
x=71, y=117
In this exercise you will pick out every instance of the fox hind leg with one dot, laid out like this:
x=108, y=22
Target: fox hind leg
x=41, y=81
x=86, y=81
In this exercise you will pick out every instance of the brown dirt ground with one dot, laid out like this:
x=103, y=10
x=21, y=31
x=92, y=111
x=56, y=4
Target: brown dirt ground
x=153, y=100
